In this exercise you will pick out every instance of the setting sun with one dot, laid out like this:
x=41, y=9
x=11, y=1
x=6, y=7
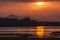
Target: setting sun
x=39, y=3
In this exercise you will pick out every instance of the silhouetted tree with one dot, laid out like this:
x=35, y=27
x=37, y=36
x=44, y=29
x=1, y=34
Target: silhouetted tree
x=9, y=21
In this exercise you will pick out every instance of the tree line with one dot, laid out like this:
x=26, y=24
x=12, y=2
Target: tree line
x=25, y=22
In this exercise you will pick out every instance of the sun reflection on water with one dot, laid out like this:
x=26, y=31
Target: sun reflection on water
x=40, y=31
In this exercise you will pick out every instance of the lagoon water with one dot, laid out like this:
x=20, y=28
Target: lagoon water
x=47, y=30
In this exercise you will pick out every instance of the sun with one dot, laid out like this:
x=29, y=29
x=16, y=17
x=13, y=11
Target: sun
x=39, y=3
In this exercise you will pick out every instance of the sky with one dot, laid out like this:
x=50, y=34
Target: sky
x=50, y=11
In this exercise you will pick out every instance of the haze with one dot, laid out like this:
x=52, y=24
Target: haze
x=49, y=12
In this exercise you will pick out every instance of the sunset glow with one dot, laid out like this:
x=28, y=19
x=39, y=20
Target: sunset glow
x=39, y=3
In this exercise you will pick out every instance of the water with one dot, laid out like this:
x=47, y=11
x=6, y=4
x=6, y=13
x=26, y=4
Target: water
x=38, y=31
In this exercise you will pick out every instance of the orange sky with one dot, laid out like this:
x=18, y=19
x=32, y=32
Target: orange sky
x=49, y=12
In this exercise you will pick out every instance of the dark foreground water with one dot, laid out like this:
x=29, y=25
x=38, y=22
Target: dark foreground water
x=30, y=32
x=29, y=38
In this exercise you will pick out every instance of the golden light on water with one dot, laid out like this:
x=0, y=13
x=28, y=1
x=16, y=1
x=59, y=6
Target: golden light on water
x=40, y=31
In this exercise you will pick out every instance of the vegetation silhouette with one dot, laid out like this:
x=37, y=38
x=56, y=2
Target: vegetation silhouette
x=28, y=22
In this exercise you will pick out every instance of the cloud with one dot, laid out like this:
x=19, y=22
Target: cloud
x=19, y=0
x=26, y=0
